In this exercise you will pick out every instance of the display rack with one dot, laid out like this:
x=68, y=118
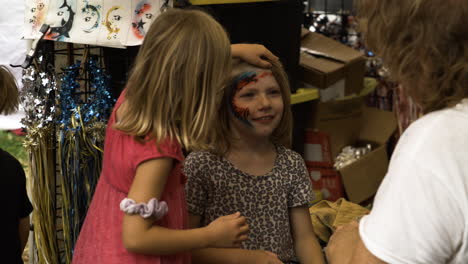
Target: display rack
x=51, y=242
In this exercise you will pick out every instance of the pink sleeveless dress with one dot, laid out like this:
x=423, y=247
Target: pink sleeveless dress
x=100, y=237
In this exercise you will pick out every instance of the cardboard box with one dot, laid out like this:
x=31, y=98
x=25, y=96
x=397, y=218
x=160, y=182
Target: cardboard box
x=317, y=153
x=327, y=182
x=348, y=123
x=324, y=62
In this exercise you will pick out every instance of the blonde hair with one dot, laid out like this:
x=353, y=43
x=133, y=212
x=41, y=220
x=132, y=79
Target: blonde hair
x=173, y=88
x=282, y=133
x=424, y=44
x=9, y=98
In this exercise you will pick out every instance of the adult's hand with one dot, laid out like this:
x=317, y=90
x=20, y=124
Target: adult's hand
x=342, y=244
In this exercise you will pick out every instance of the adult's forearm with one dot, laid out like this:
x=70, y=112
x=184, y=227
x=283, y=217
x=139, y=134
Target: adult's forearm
x=343, y=243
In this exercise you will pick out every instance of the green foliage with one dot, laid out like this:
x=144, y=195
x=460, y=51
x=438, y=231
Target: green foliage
x=13, y=144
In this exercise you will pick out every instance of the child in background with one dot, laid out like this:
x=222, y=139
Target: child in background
x=169, y=103
x=16, y=207
x=250, y=169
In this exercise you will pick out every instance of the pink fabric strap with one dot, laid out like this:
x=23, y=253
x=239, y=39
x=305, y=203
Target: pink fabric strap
x=153, y=207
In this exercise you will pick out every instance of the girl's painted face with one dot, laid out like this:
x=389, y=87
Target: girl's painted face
x=257, y=103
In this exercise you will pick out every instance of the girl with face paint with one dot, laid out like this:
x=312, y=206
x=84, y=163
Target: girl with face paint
x=251, y=170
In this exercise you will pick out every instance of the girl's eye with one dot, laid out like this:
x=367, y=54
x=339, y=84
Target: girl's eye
x=247, y=95
x=60, y=13
x=117, y=17
x=87, y=19
x=33, y=10
x=149, y=16
x=275, y=92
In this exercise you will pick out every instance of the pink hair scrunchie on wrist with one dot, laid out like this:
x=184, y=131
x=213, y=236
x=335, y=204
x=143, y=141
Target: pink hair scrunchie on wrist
x=146, y=210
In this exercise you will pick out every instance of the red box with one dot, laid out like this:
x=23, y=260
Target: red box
x=328, y=181
x=317, y=153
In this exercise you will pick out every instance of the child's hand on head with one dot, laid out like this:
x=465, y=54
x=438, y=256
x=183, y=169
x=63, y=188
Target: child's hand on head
x=254, y=54
x=228, y=231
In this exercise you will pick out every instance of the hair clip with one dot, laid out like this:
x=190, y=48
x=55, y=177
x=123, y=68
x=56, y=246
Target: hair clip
x=32, y=52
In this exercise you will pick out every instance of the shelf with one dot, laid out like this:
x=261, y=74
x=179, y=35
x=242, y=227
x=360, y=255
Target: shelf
x=212, y=2
x=304, y=95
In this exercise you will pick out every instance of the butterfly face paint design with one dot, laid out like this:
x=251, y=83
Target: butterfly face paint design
x=243, y=80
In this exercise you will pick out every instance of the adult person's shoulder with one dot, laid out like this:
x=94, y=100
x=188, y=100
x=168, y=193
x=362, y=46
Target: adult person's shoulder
x=436, y=138
x=425, y=188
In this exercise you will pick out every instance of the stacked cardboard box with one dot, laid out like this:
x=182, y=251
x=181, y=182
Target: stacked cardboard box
x=335, y=69
x=336, y=124
x=338, y=71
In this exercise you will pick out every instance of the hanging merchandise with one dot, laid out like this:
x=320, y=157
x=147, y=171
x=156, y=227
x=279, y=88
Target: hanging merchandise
x=82, y=125
x=38, y=100
x=115, y=23
x=65, y=137
x=350, y=154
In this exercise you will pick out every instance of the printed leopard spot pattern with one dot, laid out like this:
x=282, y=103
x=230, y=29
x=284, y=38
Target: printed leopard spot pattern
x=216, y=188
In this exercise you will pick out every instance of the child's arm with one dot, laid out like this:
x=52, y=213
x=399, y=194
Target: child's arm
x=139, y=235
x=254, y=54
x=306, y=244
x=229, y=255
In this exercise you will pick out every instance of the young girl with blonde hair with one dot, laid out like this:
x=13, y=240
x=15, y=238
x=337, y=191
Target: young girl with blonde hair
x=138, y=212
x=250, y=169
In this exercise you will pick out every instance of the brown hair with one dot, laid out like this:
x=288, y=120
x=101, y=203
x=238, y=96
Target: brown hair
x=9, y=98
x=282, y=133
x=178, y=73
x=424, y=44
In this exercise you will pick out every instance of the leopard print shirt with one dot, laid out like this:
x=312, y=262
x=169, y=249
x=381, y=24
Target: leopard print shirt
x=215, y=188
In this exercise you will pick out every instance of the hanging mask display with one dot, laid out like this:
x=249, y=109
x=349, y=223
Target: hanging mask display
x=117, y=23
